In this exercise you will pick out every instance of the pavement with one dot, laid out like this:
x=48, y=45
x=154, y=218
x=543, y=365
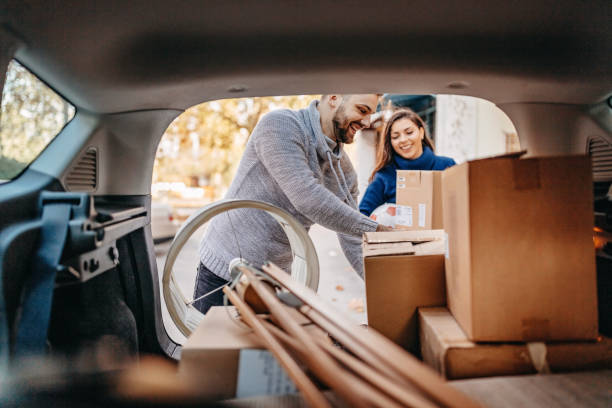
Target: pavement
x=338, y=283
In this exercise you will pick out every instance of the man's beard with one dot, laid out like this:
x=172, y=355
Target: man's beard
x=341, y=125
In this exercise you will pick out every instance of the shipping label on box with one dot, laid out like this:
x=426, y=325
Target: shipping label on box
x=403, y=215
x=227, y=359
x=418, y=199
x=260, y=374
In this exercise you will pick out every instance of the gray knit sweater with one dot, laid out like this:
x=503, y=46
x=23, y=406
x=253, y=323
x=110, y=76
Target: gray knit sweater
x=290, y=163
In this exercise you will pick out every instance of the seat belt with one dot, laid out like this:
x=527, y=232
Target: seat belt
x=33, y=322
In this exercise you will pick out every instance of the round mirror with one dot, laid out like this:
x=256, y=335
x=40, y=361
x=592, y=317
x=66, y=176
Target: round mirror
x=304, y=268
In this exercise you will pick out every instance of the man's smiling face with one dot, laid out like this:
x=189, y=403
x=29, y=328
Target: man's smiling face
x=353, y=114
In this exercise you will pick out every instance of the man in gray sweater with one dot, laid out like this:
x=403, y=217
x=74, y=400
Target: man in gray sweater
x=293, y=160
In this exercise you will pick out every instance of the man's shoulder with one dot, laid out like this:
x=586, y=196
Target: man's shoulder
x=286, y=121
x=282, y=127
x=282, y=116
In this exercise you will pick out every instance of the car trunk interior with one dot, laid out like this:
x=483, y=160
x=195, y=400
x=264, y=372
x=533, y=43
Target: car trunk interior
x=130, y=74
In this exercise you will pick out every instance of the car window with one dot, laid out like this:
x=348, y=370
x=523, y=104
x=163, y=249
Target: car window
x=199, y=154
x=32, y=115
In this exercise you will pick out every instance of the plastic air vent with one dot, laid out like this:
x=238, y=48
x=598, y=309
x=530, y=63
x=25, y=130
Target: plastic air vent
x=83, y=176
x=600, y=151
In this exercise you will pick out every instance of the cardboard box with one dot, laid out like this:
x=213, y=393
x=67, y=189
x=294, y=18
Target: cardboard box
x=396, y=285
x=520, y=264
x=414, y=197
x=419, y=193
x=446, y=348
x=225, y=359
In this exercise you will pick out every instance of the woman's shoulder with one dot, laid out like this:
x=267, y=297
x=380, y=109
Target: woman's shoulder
x=385, y=174
x=442, y=162
x=388, y=170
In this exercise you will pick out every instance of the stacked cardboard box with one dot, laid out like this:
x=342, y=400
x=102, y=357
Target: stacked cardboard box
x=403, y=270
x=519, y=267
x=225, y=359
x=521, y=264
x=445, y=347
x=418, y=200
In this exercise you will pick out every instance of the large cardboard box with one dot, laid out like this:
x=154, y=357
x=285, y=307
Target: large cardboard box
x=437, y=214
x=418, y=199
x=520, y=264
x=225, y=359
x=397, y=284
x=446, y=348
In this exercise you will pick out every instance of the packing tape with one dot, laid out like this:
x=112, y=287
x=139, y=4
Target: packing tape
x=537, y=354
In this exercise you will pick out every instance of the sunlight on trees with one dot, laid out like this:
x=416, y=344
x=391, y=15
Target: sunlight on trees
x=203, y=146
x=32, y=115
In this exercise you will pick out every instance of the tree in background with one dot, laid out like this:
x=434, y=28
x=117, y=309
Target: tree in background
x=203, y=146
x=32, y=115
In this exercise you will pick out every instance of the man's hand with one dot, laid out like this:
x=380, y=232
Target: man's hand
x=381, y=228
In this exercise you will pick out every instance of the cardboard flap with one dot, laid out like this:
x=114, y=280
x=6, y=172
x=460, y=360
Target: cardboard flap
x=393, y=248
x=513, y=155
x=403, y=236
x=436, y=247
x=445, y=328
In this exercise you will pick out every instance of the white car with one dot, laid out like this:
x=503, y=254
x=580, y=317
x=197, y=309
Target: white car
x=163, y=224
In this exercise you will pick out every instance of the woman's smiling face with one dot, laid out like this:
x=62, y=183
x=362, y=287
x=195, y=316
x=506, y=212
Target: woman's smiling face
x=407, y=139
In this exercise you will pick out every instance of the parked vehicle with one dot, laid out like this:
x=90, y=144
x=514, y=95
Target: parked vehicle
x=163, y=224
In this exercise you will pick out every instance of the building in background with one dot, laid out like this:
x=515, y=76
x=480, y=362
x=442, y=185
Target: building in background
x=468, y=128
x=462, y=127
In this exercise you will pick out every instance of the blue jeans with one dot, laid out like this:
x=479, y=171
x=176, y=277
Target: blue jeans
x=205, y=282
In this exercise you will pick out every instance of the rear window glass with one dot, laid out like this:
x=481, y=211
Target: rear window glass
x=32, y=115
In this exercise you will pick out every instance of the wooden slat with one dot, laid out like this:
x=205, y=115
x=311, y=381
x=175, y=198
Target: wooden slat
x=403, y=363
x=347, y=386
x=311, y=393
x=381, y=397
x=385, y=384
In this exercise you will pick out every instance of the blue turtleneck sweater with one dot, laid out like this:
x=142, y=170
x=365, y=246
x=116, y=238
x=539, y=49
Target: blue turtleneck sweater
x=382, y=189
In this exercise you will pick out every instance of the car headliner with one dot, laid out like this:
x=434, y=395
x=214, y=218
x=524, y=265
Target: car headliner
x=115, y=56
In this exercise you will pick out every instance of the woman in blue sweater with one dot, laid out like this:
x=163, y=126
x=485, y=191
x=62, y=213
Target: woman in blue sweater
x=405, y=146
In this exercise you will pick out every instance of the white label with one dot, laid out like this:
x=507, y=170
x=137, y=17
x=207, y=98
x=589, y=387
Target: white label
x=446, y=245
x=260, y=374
x=403, y=215
x=422, y=213
x=401, y=186
x=401, y=178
